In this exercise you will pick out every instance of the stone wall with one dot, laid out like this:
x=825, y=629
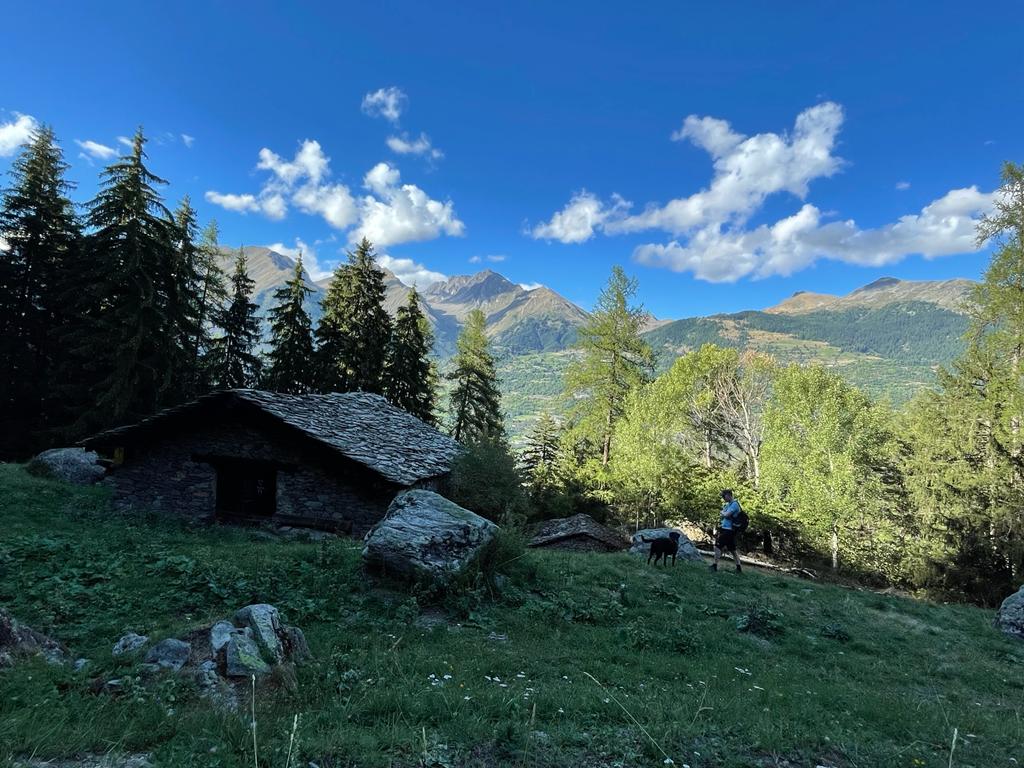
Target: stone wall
x=314, y=487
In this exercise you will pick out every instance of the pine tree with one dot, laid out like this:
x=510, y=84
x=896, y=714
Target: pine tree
x=409, y=376
x=125, y=344
x=38, y=223
x=234, y=362
x=615, y=360
x=353, y=334
x=475, y=398
x=212, y=299
x=291, y=344
x=184, y=303
x=539, y=462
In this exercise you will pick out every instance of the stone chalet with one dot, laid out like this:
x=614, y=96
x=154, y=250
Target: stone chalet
x=333, y=461
x=580, y=533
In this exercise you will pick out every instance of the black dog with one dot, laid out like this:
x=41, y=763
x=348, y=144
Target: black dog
x=663, y=548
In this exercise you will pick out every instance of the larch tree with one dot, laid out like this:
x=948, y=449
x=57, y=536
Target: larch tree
x=234, y=358
x=40, y=240
x=354, y=330
x=615, y=359
x=409, y=375
x=475, y=397
x=291, y=337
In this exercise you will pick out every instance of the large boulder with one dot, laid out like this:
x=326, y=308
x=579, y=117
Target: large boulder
x=425, y=536
x=72, y=465
x=1010, y=616
x=172, y=654
x=686, y=549
x=20, y=641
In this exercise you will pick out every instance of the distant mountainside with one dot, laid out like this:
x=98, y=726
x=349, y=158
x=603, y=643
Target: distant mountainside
x=519, y=321
x=948, y=294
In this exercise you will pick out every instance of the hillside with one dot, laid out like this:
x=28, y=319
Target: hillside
x=706, y=670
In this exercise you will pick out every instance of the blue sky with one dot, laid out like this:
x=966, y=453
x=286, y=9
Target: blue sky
x=727, y=154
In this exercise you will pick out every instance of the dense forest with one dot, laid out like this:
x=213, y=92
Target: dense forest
x=111, y=312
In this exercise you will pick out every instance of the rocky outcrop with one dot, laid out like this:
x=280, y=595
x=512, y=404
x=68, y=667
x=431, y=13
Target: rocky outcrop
x=72, y=465
x=686, y=549
x=129, y=644
x=580, y=533
x=424, y=536
x=18, y=641
x=1010, y=616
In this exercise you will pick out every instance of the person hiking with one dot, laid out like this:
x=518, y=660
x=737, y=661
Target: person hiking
x=733, y=521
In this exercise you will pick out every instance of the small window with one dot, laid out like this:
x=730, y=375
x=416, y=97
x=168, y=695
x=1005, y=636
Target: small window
x=246, y=489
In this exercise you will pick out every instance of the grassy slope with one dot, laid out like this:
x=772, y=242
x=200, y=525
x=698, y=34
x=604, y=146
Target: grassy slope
x=665, y=643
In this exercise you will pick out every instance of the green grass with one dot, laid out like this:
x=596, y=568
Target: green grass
x=820, y=676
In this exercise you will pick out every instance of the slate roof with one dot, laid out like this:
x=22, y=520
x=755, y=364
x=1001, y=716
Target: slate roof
x=578, y=525
x=359, y=425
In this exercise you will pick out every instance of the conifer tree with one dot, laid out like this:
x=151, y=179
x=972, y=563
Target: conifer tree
x=475, y=398
x=184, y=308
x=124, y=343
x=539, y=460
x=212, y=300
x=409, y=377
x=615, y=360
x=352, y=337
x=291, y=344
x=234, y=361
x=41, y=240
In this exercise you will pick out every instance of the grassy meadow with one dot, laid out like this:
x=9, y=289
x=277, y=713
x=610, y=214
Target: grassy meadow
x=581, y=660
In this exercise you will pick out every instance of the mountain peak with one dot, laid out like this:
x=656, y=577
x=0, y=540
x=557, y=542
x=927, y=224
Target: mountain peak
x=879, y=284
x=480, y=287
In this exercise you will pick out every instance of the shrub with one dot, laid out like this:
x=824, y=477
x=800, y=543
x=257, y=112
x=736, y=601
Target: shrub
x=485, y=480
x=760, y=620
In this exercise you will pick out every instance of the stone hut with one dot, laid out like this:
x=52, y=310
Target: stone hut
x=580, y=533
x=333, y=461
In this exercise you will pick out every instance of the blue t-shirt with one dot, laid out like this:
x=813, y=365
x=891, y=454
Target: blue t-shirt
x=729, y=511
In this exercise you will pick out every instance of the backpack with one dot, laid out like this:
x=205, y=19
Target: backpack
x=740, y=521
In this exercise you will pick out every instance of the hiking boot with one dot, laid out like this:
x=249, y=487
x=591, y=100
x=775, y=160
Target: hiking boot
x=713, y=566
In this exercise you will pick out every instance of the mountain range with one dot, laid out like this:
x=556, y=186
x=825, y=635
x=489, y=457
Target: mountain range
x=887, y=337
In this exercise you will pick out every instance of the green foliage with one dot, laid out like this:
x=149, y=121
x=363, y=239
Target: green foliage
x=475, y=399
x=760, y=620
x=354, y=331
x=291, y=343
x=410, y=380
x=234, y=361
x=485, y=480
x=43, y=242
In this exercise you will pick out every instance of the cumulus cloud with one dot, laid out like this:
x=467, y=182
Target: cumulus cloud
x=385, y=102
x=310, y=262
x=711, y=236
x=96, y=150
x=16, y=132
x=410, y=272
x=401, y=213
x=391, y=213
x=403, y=145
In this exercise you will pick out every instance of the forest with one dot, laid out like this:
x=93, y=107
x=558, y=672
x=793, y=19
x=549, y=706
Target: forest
x=112, y=312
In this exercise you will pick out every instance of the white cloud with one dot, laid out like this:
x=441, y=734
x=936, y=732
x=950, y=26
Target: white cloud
x=309, y=162
x=410, y=272
x=273, y=206
x=403, y=213
x=4, y=245
x=310, y=262
x=15, y=133
x=494, y=259
x=531, y=286
x=403, y=145
x=902, y=185
x=711, y=237
x=125, y=142
x=385, y=102
x=187, y=140
x=96, y=150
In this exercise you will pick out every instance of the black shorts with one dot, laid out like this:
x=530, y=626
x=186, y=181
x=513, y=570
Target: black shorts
x=726, y=540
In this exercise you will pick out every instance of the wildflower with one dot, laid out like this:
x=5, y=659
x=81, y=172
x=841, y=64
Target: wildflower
x=561, y=711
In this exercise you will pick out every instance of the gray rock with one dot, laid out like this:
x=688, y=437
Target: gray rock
x=18, y=640
x=686, y=549
x=129, y=643
x=1010, y=616
x=242, y=656
x=220, y=634
x=426, y=536
x=72, y=465
x=80, y=664
x=169, y=654
x=215, y=689
x=295, y=645
x=265, y=623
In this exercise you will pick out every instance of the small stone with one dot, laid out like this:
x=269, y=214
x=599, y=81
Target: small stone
x=242, y=657
x=128, y=643
x=169, y=654
x=220, y=634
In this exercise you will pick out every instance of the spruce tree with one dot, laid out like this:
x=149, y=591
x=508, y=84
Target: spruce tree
x=184, y=309
x=409, y=377
x=125, y=343
x=41, y=231
x=539, y=464
x=475, y=398
x=353, y=334
x=615, y=360
x=234, y=361
x=291, y=343
x=212, y=300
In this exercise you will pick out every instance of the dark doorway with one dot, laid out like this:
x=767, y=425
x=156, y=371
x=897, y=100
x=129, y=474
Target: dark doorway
x=246, y=489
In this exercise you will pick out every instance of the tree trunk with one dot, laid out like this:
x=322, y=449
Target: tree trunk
x=835, y=545
x=607, y=447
